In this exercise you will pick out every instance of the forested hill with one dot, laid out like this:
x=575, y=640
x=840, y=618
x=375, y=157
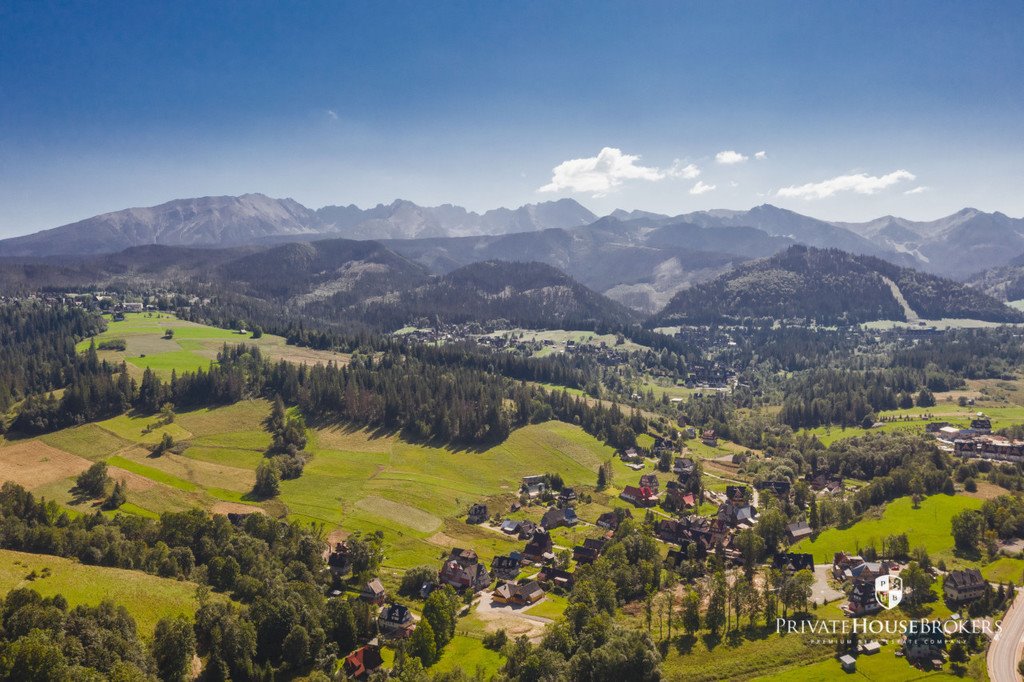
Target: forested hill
x=525, y=294
x=829, y=286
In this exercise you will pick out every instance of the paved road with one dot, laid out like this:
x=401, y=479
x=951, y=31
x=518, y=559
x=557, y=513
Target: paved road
x=1005, y=650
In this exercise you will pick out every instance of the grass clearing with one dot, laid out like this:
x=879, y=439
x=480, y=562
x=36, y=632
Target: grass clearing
x=929, y=526
x=147, y=597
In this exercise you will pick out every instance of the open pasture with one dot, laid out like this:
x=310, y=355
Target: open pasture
x=193, y=346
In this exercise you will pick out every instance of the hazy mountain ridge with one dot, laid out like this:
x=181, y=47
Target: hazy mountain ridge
x=829, y=286
x=335, y=279
x=637, y=257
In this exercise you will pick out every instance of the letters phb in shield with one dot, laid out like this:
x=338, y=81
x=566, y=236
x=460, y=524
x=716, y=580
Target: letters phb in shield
x=889, y=590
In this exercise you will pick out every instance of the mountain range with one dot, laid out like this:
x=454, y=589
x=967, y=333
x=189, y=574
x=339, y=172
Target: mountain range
x=638, y=258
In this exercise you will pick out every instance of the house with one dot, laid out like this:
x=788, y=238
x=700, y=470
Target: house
x=841, y=562
x=982, y=424
x=862, y=599
x=396, y=620
x=924, y=642
x=518, y=594
x=373, y=592
x=709, y=438
x=736, y=494
x=867, y=571
x=798, y=531
x=556, y=577
x=610, y=520
x=649, y=481
x=539, y=548
x=555, y=518
x=506, y=567
x=736, y=515
x=589, y=551
x=527, y=529
x=848, y=663
x=677, y=497
x=533, y=486
x=684, y=467
x=477, y=513
x=779, y=488
x=791, y=562
x=631, y=456
x=510, y=526
x=364, y=661
x=340, y=559
x=963, y=586
x=567, y=495
x=463, y=570
x=641, y=497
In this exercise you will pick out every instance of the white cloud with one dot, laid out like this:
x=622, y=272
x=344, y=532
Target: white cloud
x=701, y=188
x=686, y=172
x=729, y=157
x=859, y=183
x=761, y=155
x=599, y=174
x=918, y=190
x=332, y=114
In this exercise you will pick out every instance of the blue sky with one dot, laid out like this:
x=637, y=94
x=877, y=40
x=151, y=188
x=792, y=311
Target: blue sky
x=107, y=105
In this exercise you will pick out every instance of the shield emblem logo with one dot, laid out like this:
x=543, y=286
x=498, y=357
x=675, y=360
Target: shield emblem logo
x=889, y=590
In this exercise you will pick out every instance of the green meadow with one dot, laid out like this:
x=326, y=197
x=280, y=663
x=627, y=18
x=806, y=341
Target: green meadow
x=928, y=527
x=147, y=597
x=193, y=346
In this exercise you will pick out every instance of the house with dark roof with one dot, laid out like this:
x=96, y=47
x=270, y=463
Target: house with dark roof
x=507, y=566
x=963, y=586
x=567, y=495
x=798, y=531
x=396, y=620
x=709, y=438
x=364, y=661
x=779, y=488
x=736, y=494
x=463, y=570
x=539, y=548
x=556, y=518
x=791, y=562
x=608, y=520
x=510, y=526
x=589, y=551
x=477, y=513
x=862, y=599
x=519, y=594
x=736, y=515
x=649, y=481
x=684, y=467
x=556, y=577
x=527, y=529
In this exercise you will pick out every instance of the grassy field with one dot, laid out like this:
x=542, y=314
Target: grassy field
x=929, y=526
x=191, y=347
x=881, y=667
x=469, y=655
x=147, y=597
